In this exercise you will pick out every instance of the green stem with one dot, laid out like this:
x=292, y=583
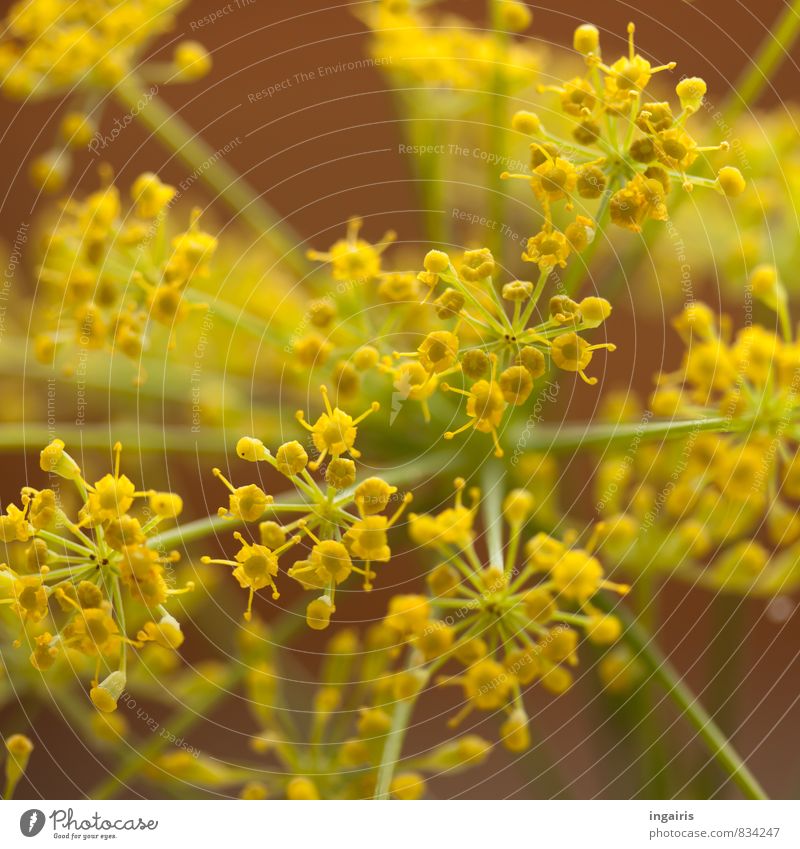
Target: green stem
x=720, y=748
x=209, y=166
x=492, y=485
x=94, y=436
x=573, y=437
x=192, y=531
x=497, y=132
x=772, y=52
x=655, y=782
x=236, y=316
x=172, y=383
x=393, y=746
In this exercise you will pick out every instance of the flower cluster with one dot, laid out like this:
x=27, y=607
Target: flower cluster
x=108, y=274
x=509, y=621
x=499, y=342
x=752, y=378
x=420, y=50
x=66, y=587
x=82, y=49
x=497, y=339
x=625, y=149
x=719, y=507
x=337, y=756
x=346, y=523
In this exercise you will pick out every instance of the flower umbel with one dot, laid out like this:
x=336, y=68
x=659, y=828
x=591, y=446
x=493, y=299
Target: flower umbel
x=77, y=571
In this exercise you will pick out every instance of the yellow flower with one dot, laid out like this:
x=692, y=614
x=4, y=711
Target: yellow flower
x=548, y=248
x=354, y=259
x=572, y=353
x=335, y=431
x=255, y=567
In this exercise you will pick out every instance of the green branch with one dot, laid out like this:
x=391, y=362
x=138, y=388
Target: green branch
x=572, y=437
x=208, y=165
x=664, y=672
x=393, y=746
x=773, y=51
x=144, y=438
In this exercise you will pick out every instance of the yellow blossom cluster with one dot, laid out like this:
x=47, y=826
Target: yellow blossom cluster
x=66, y=589
x=50, y=46
x=109, y=274
x=499, y=340
x=444, y=52
x=509, y=621
x=719, y=507
x=346, y=523
x=79, y=50
x=626, y=150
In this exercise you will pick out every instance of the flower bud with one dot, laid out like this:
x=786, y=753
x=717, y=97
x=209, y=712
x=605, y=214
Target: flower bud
x=586, y=39
x=192, y=61
x=731, y=181
x=106, y=694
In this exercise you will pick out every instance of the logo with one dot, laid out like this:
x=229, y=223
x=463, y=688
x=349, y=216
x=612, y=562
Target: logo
x=31, y=822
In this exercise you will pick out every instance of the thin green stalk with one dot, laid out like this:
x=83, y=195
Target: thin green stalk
x=429, y=174
x=655, y=782
x=492, y=485
x=497, y=131
x=720, y=748
x=172, y=383
x=148, y=438
x=571, y=437
x=394, y=743
x=192, y=531
x=234, y=315
x=774, y=49
x=209, y=165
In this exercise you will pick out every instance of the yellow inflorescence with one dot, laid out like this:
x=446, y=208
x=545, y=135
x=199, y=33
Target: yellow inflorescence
x=508, y=622
x=626, y=150
x=67, y=592
x=418, y=49
x=109, y=274
x=345, y=523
